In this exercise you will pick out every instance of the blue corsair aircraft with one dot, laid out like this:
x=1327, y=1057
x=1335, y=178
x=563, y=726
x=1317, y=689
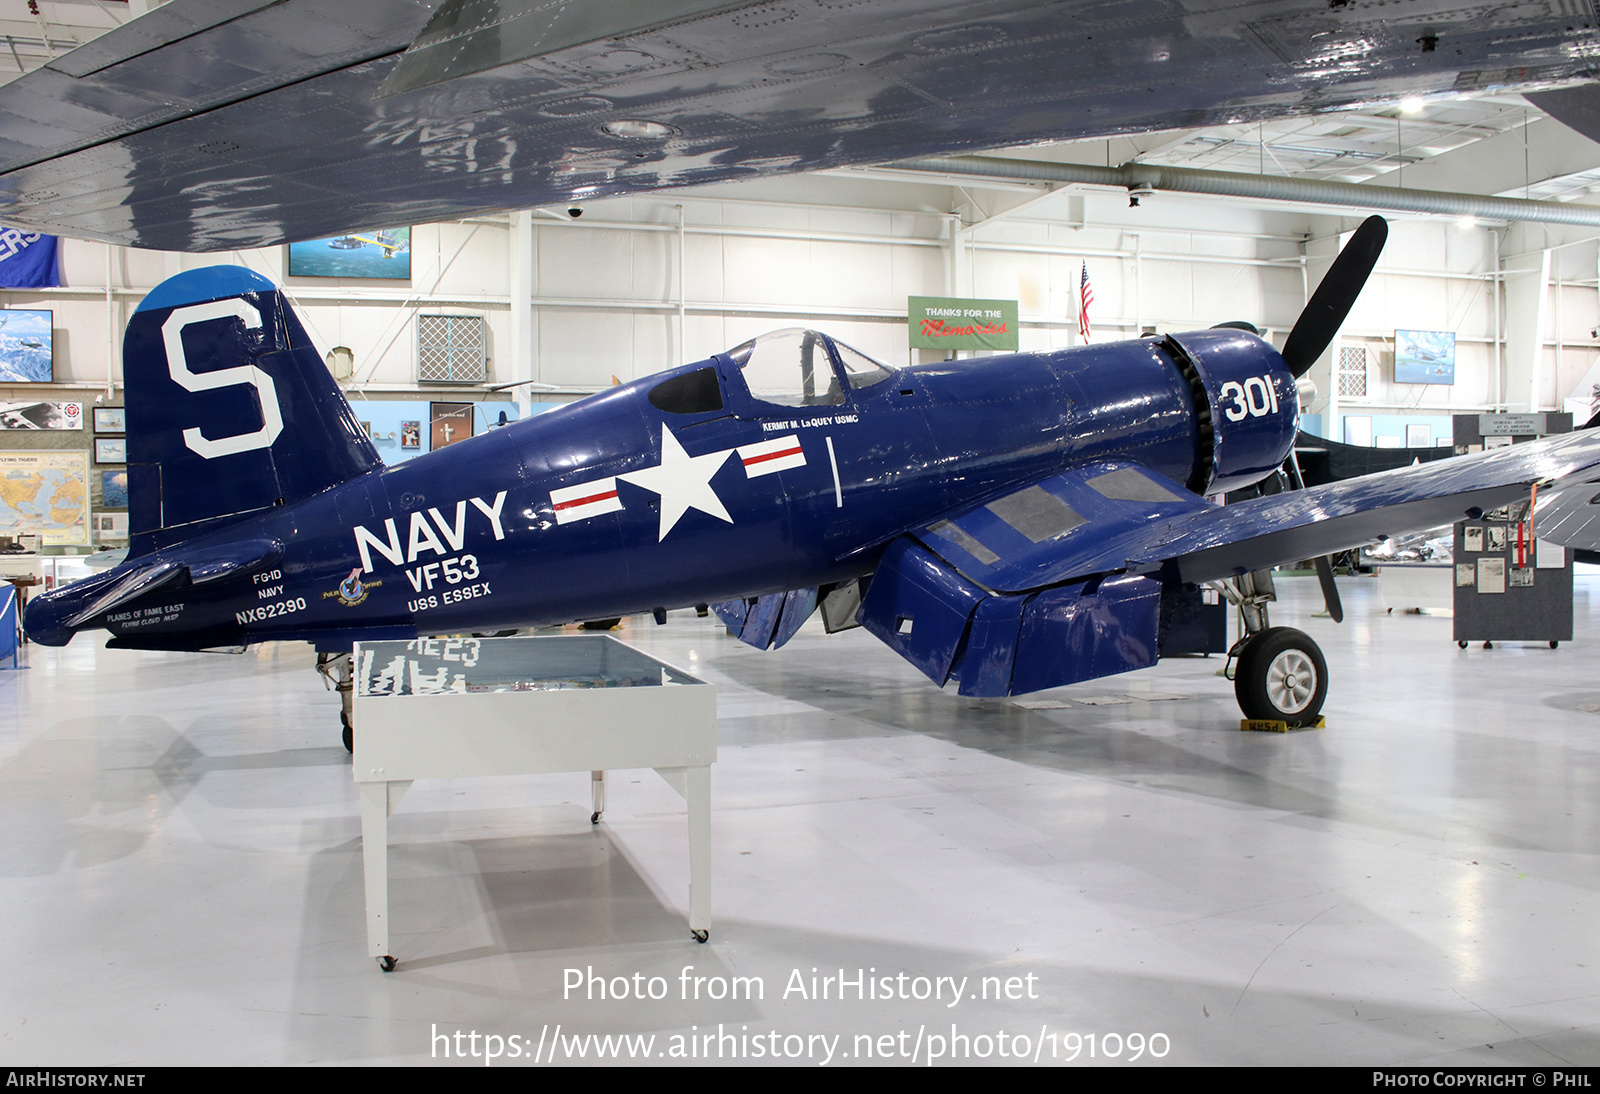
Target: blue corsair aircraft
x=1006, y=524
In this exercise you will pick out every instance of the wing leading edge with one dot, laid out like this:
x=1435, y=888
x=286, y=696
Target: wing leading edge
x=1061, y=581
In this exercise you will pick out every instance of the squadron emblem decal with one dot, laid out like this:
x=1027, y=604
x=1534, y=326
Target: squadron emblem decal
x=352, y=590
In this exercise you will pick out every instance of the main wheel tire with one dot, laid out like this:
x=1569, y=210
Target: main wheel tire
x=1281, y=677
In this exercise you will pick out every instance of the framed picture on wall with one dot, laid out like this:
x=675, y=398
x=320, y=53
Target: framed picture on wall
x=110, y=419
x=26, y=353
x=111, y=450
x=1419, y=436
x=385, y=254
x=411, y=434
x=114, y=489
x=450, y=422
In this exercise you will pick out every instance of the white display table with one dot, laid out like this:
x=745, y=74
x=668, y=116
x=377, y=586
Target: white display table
x=439, y=708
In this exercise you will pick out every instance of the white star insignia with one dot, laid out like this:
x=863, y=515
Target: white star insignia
x=683, y=481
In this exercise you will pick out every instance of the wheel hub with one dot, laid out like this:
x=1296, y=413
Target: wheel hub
x=1291, y=681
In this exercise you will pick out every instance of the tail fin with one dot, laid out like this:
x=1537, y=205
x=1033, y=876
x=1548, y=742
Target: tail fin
x=230, y=410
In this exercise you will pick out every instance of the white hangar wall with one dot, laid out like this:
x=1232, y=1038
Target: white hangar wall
x=638, y=284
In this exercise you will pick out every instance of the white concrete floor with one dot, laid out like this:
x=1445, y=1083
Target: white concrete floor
x=180, y=871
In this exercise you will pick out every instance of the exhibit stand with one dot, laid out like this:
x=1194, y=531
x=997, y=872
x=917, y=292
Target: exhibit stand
x=437, y=708
x=1509, y=587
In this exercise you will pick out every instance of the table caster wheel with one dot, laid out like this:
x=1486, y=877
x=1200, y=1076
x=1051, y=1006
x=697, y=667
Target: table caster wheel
x=594, y=818
x=386, y=963
x=700, y=936
x=1461, y=645
x=1554, y=644
x=1488, y=645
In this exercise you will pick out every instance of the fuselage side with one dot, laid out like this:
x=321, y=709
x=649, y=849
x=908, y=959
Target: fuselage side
x=612, y=505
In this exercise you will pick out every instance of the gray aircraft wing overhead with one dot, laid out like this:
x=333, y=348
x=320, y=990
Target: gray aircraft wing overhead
x=206, y=125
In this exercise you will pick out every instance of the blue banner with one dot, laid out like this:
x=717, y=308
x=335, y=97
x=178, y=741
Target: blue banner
x=27, y=260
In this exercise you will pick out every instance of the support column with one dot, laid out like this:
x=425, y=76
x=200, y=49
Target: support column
x=1527, y=277
x=521, y=355
x=1318, y=255
x=683, y=289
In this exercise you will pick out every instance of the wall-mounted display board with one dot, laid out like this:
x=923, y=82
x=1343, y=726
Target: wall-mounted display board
x=40, y=414
x=45, y=493
x=1509, y=587
x=952, y=323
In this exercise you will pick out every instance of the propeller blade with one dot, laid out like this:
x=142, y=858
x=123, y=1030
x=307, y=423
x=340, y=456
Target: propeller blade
x=1330, y=591
x=1335, y=296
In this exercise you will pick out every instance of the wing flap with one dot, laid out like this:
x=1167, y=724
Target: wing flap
x=1090, y=520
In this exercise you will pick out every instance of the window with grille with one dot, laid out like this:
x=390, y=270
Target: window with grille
x=452, y=349
x=1353, y=371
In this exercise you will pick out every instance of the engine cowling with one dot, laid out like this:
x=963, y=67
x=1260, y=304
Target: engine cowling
x=1246, y=401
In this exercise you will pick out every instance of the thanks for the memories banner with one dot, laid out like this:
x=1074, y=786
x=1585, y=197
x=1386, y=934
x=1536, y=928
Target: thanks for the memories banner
x=946, y=322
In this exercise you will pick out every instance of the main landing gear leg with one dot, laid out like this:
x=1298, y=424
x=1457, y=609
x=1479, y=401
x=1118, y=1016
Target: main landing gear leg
x=1278, y=673
x=336, y=668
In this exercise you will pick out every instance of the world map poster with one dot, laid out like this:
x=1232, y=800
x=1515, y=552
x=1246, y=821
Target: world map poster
x=45, y=493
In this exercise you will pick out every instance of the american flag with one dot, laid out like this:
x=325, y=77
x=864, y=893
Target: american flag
x=1085, y=298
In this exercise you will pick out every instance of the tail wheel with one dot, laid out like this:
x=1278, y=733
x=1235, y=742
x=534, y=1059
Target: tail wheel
x=1281, y=677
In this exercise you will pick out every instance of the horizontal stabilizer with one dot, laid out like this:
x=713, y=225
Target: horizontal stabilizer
x=88, y=600
x=151, y=574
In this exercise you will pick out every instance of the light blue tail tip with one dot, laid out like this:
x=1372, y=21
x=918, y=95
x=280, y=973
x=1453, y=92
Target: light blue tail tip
x=210, y=283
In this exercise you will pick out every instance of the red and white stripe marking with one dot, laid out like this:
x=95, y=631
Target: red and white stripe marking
x=587, y=499
x=779, y=454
